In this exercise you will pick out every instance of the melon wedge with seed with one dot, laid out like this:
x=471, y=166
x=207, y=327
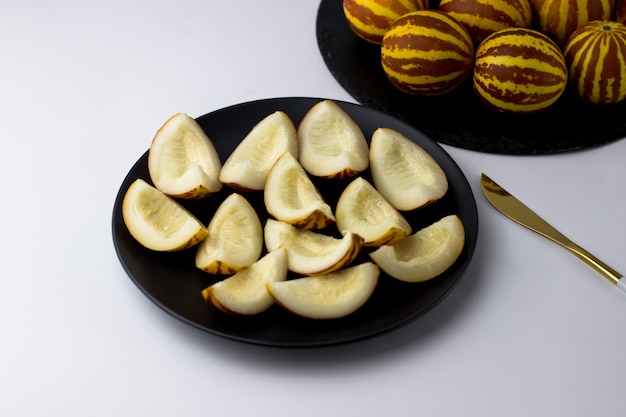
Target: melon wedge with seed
x=292, y=197
x=404, y=172
x=235, y=239
x=245, y=292
x=332, y=145
x=364, y=211
x=183, y=161
x=310, y=252
x=329, y=296
x=424, y=254
x=248, y=165
x=159, y=222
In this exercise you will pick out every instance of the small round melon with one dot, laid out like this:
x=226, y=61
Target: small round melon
x=519, y=70
x=559, y=18
x=370, y=19
x=427, y=52
x=620, y=11
x=482, y=18
x=596, y=58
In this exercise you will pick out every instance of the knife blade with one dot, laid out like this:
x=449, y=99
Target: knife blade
x=517, y=211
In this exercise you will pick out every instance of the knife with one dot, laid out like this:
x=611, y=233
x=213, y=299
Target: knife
x=514, y=209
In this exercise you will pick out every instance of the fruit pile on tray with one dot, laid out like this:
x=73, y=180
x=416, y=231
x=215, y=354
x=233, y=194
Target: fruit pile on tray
x=520, y=54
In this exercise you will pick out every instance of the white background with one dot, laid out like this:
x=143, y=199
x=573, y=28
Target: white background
x=529, y=330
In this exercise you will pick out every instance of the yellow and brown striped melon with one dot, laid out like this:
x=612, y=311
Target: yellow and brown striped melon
x=484, y=17
x=370, y=19
x=596, y=59
x=559, y=18
x=620, y=11
x=519, y=70
x=427, y=52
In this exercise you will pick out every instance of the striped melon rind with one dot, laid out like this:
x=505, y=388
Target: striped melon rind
x=484, y=17
x=370, y=19
x=427, y=52
x=559, y=18
x=596, y=58
x=620, y=11
x=519, y=71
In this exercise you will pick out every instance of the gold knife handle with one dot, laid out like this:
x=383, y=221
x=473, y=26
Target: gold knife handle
x=583, y=254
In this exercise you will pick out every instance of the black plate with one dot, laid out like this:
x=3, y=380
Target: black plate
x=172, y=281
x=459, y=118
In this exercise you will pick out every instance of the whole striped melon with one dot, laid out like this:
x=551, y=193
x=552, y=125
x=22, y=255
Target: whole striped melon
x=559, y=18
x=596, y=56
x=620, y=11
x=370, y=19
x=427, y=52
x=484, y=17
x=519, y=70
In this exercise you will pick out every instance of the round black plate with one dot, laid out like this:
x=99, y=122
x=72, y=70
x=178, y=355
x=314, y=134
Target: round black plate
x=459, y=118
x=172, y=281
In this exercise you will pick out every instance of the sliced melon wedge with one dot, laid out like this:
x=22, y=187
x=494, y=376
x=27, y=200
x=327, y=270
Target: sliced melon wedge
x=157, y=221
x=424, y=254
x=310, y=252
x=183, y=161
x=403, y=172
x=245, y=292
x=364, y=211
x=330, y=296
x=332, y=145
x=291, y=196
x=235, y=238
x=248, y=165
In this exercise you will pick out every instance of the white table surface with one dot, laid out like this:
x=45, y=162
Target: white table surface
x=529, y=331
